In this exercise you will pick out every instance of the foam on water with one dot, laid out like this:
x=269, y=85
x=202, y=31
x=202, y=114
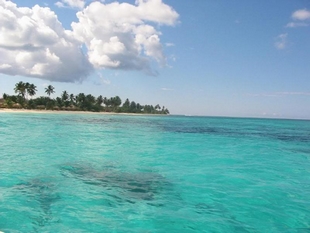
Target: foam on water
x=103, y=173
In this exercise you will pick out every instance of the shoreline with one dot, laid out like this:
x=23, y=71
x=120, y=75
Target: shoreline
x=35, y=111
x=9, y=110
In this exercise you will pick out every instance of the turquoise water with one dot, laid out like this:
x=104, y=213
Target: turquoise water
x=106, y=173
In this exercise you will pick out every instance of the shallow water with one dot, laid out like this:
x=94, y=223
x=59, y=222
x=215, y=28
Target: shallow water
x=106, y=173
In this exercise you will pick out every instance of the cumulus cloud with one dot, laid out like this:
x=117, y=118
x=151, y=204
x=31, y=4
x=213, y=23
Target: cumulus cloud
x=33, y=43
x=115, y=36
x=121, y=35
x=281, y=41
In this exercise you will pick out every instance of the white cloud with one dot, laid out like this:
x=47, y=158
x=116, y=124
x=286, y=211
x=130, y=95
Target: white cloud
x=106, y=81
x=281, y=94
x=296, y=24
x=103, y=80
x=297, y=16
x=34, y=43
x=173, y=57
x=169, y=44
x=60, y=5
x=294, y=93
x=166, y=89
x=281, y=41
x=5, y=66
x=116, y=36
x=121, y=35
x=156, y=11
x=301, y=15
x=79, y=4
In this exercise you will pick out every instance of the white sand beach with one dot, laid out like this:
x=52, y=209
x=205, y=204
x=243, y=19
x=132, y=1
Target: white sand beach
x=10, y=110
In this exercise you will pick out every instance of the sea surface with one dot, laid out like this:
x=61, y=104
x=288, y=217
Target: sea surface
x=115, y=173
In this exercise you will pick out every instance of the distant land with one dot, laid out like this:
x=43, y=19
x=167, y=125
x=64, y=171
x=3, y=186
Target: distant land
x=71, y=102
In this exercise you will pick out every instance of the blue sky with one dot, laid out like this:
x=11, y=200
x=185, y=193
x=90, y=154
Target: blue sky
x=214, y=58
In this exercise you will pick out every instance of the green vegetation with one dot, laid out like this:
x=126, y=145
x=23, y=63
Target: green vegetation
x=71, y=102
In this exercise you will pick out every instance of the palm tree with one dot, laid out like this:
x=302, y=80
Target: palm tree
x=116, y=101
x=49, y=90
x=59, y=102
x=139, y=108
x=65, y=98
x=90, y=100
x=108, y=103
x=126, y=104
x=31, y=89
x=133, y=107
x=72, y=99
x=157, y=107
x=99, y=100
x=80, y=100
x=20, y=88
x=163, y=110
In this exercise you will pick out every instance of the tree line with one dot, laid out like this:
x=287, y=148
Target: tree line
x=71, y=102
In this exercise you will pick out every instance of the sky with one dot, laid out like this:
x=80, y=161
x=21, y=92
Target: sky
x=204, y=57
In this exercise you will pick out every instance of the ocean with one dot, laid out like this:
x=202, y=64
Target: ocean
x=120, y=173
